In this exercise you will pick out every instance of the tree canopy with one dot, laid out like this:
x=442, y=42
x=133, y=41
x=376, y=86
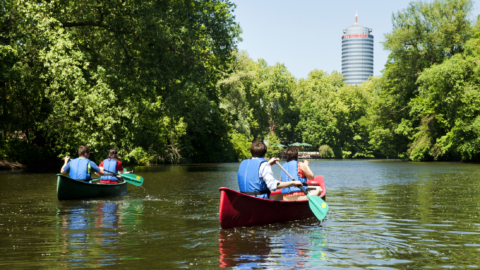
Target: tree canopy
x=424, y=35
x=163, y=80
x=120, y=74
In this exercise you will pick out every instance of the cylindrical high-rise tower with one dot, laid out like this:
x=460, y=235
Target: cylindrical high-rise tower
x=357, y=53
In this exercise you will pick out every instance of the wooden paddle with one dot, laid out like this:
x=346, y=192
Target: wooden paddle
x=129, y=178
x=318, y=206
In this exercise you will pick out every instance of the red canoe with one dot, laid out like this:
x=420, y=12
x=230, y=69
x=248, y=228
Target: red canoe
x=241, y=210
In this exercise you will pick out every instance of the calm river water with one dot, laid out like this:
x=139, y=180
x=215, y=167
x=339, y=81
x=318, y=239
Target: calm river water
x=383, y=215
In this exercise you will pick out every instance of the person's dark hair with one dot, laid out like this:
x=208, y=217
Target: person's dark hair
x=82, y=150
x=258, y=149
x=113, y=154
x=292, y=153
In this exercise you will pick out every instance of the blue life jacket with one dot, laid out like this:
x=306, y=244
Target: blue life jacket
x=249, y=178
x=80, y=169
x=292, y=168
x=109, y=165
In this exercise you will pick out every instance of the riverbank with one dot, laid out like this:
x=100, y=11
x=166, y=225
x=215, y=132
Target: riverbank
x=6, y=165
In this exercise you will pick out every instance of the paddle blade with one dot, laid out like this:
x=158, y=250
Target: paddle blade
x=318, y=206
x=132, y=179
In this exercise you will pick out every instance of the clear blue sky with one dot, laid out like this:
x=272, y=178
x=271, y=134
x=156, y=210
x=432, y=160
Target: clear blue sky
x=306, y=34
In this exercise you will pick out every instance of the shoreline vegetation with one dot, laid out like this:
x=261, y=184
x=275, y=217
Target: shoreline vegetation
x=6, y=165
x=9, y=165
x=163, y=82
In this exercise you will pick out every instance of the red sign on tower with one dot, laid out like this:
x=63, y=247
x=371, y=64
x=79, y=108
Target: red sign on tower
x=355, y=36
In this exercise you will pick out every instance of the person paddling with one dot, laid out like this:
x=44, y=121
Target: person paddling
x=298, y=170
x=81, y=167
x=112, y=164
x=255, y=176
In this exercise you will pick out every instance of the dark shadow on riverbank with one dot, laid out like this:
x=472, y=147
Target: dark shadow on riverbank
x=6, y=165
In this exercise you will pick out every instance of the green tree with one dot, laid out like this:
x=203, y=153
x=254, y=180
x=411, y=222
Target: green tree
x=334, y=114
x=449, y=106
x=257, y=97
x=424, y=34
x=120, y=74
x=235, y=87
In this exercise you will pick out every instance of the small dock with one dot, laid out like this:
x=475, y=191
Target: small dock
x=304, y=155
x=307, y=155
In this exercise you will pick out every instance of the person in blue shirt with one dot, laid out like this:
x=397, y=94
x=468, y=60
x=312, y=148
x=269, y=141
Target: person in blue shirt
x=255, y=176
x=81, y=167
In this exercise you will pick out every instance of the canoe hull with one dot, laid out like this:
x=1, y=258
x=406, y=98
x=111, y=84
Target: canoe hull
x=69, y=189
x=240, y=210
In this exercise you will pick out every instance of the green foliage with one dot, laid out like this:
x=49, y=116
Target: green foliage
x=346, y=154
x=326, y=151
x=139, y=156
x=273, y=150
x=424, y=107
x=257, y=97
x=235, y=87
x=162, y=81
x=424, y=35
x=116, y=74
x=19, y=150
x=449, y=106
x=334, y=114
x=241, y=145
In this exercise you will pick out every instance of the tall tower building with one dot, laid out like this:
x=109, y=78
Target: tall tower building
x=357, y=53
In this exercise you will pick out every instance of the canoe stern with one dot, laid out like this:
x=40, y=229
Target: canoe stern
x=240, y=210
x=69, y=189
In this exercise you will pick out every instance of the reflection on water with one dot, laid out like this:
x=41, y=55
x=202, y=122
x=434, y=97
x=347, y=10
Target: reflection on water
x=383, y=215
x=289, y=246
x=294, y=251
x=245, y=250
x=94, y=228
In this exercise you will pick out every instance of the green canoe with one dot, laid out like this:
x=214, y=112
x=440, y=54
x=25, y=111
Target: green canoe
x=69, y=189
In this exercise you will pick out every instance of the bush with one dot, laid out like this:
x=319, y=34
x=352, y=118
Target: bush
x=241, y=145
x=326, y=151
x=346, y=154
x=139, y=156
x=273, y=152
x=18, y=150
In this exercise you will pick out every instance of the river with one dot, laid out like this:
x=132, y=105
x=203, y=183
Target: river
x=382, y=215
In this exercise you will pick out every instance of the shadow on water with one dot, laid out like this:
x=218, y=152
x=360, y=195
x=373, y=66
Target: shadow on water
x=191, y=168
